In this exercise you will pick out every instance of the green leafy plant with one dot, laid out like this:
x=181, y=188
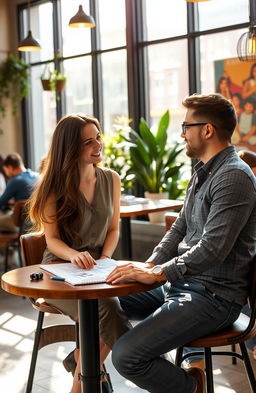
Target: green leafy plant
x=14, y=83
x=154, y=160
x=53, y=80
x=117, y=154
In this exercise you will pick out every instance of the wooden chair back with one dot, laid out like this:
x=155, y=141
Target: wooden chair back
x=32, y=248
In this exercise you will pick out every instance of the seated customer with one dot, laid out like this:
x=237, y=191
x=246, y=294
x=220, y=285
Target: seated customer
x=19, y=187
x=205, y=258
x=2, y=176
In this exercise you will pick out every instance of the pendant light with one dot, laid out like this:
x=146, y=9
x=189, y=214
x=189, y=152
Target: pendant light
x=29, y=44
x=80, y=19
x=246, y=45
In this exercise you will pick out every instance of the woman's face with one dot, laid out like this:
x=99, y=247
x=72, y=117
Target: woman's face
x=91, y=152
x=223, y=84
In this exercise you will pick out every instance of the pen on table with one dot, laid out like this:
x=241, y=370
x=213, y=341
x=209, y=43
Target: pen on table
x=58, y=278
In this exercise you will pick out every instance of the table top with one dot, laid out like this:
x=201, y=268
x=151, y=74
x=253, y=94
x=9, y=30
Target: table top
x=150, y=207
x=18, y=282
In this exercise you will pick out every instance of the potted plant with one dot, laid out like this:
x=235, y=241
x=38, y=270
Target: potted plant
x=153, y=160
x=53, y=80
x=14, y=83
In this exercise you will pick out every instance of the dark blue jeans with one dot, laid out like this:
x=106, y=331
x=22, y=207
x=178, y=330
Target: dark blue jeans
x=172, y=316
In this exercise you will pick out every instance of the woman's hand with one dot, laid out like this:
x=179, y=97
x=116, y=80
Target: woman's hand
x=131, y=271
x=83, y=259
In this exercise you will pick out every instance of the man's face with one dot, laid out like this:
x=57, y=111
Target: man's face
x=195, y=144
x=8, y=170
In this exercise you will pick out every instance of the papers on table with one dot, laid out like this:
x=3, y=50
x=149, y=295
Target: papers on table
x=77, y=276
x=132, y=200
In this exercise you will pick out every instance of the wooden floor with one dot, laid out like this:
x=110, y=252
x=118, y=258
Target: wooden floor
x=17, y=324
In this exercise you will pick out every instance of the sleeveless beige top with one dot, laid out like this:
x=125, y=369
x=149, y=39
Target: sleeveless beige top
x=97, y=217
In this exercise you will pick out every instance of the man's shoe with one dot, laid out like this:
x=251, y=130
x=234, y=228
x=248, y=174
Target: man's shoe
x=199, y=377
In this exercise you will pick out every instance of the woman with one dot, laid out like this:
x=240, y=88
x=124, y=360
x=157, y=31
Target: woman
x=76, y=204
x=223, y=88
x=249, y=85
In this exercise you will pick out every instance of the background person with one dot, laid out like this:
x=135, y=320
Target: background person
x=19, y=187
x=76, y=204
x=205, y=257
x=2, y=176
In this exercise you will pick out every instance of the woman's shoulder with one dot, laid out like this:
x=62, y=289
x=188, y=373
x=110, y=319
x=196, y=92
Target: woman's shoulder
x=107, y=171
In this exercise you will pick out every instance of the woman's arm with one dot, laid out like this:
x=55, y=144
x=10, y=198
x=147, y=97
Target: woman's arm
x=248, y=89
x=113, y=230
x=57, y=246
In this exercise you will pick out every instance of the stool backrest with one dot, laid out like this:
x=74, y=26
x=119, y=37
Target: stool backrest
x=32, y=248
x=19, y=213
x=252, y=289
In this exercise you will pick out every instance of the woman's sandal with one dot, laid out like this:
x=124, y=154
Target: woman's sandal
x=70, y=365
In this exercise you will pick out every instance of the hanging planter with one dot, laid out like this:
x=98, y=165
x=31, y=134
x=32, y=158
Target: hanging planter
x=53, y=81
x=48, y=85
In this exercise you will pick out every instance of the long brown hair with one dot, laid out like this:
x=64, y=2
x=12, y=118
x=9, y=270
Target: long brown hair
x=61, y=179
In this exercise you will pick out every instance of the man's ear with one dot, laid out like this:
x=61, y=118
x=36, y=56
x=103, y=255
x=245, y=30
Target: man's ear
x=209, y=131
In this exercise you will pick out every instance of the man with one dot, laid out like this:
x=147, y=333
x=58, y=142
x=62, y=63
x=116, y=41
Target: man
x=19, y=187
x=205, y=257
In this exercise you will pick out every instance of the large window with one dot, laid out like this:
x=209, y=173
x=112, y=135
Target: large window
x=143, y=57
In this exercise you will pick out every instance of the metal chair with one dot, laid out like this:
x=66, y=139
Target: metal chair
x=240, y=331
x=32, y=249
x=11, y=239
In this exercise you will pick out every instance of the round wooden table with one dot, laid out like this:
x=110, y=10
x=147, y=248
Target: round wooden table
x=18, y=282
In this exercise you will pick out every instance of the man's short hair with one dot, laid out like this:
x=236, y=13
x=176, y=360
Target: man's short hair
x=214, y=109
x=13, y=160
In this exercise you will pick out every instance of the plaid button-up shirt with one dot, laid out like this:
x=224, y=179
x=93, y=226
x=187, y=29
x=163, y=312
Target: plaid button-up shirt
x=213, y=240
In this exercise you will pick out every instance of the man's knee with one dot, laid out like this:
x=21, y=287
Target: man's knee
x=121, y=359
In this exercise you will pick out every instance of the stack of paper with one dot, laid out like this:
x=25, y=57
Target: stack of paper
x=76, y=276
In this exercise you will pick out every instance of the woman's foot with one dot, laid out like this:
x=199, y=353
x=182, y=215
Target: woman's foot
x=70, y=363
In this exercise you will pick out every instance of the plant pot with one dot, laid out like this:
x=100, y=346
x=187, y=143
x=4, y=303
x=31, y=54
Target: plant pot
x=60, y=84
x=155, y=218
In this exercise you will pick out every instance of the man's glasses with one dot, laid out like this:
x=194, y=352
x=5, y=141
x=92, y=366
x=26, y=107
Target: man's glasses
x=184, y=126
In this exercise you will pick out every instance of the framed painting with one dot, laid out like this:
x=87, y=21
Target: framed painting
x=236, y=81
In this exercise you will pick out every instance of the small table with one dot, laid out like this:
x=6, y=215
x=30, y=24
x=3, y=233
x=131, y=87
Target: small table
x=18, y=282
x=126, y=212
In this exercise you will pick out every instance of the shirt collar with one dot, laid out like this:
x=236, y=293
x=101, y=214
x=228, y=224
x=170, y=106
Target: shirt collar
x=215, y=160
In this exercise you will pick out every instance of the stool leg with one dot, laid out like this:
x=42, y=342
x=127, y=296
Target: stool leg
x=248, y=367
x=178, y=358
x=6, y=254
x=233, y=349
x=208, y=370
x=35, y=351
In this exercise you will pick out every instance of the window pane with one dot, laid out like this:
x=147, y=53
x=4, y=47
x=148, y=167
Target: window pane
x=43, y=108
x=216, y=47
x=112, y=34
x=165, y=18
x=218, y=13
x=41, y=31
x=114, y=87
x=79, y=85
x=76, y=40
x=168, y=83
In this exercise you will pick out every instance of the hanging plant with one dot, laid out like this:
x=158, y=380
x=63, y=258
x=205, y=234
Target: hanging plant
x=14, y=83
x=53, y=80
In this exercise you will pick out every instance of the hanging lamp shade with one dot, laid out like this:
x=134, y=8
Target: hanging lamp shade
x=80, y=19
x=246, y=45
x=29, y=44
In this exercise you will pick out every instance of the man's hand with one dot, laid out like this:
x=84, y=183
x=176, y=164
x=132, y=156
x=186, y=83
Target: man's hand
x=131, y=271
